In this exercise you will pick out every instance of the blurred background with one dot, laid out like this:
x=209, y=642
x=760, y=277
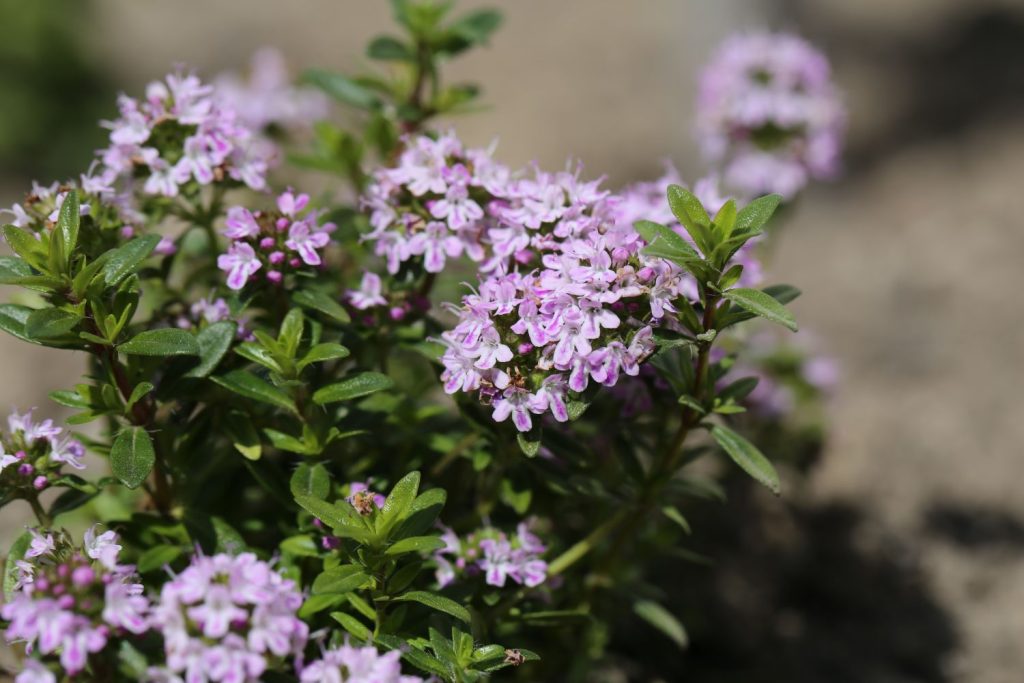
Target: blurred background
x=901, y=557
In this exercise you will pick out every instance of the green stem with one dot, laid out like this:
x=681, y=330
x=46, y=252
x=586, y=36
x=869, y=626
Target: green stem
x=578, y=551
x=44, y=519
x=661, y=473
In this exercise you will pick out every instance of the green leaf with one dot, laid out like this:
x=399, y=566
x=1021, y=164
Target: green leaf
x=398, y=502
x=12, y=320
x=677, y=517
x=324, y=303
x=342, y=518
x=655, y=233
x=249, y=385
x=725, y=219
x=529, y=443
x=692, y=403
x=286, y=442
x=291, y=331
x=125, y=260
x=132, y=456
x=157, y=557
x=436, y=602
x=422, y=514
x=352, y=625
x=315, y=604
x=300, y=546
x=17, y=552
x=389, y=49
x=138, y=392
x=754, y=215
x=323, y=352
x=661, y=619
x=747, y=456
x=342, y=88
x=25, y=245
x=478, y=25
x=343, y=579
x=353, y=387
x=243, y=435
x=163, y=342
x=66, y=232
x=782, y=293
x=48, y=323
x=310, y=480
x=13, y=270
x=214, y=342
x=416, y=544
x=759, y=303
x=259, y=354
x=691, y=214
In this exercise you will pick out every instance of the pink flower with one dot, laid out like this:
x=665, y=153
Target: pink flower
x=434, y=243
x=240, y=224
x=515, y=402
x=240, y=263
x=369, y=293
x=306, y=240
x=103, y=548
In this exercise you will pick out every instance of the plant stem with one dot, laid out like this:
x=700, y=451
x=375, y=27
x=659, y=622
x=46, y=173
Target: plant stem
x=661, y=473
x=44, y=519
x=578, y=551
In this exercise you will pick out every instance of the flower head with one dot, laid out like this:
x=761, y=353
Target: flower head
x=769, y=114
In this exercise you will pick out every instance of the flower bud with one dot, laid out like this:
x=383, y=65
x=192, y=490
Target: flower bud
x=276, y=257
x=39, y=483
x=83, y=576
x=275, y=276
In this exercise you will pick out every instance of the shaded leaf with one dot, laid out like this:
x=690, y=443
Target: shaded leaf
x=132, y=456
x=747, y=456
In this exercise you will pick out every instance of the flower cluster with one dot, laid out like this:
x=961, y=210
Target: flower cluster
x=228, y=618
x=440, y=201
x=278, y=242
x=494, y=554
x=33, y=454
x=69, y=603
x=180, y=133
x=267, y=99
x=571, y=299
x=210, y=310
x=350, y=664
x=769, y=115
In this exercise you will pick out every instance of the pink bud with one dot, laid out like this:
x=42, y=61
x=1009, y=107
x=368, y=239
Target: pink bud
x=645, y=274
x=59, y=589
x=525, y=348
x=41, y=584
x=24, y=469
x=397, y=313
x=620, y=254
x=39, y=483
x=63, y=571
x=127, y=232
x=283, y=224
x=317, y=523
x=83, y=576
x=267, y=243
x=21, y=455
x=276, y=257
x=65, y=601
x=295, y=262
x=275, y=276
x=330, y=542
